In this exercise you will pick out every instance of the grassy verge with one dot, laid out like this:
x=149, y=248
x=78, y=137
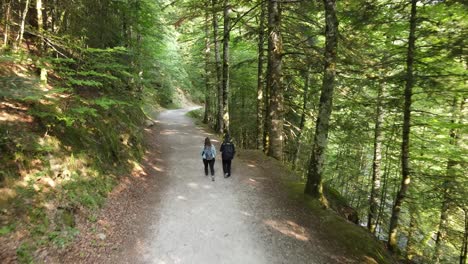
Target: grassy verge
x=196, y=115
x=357, y=241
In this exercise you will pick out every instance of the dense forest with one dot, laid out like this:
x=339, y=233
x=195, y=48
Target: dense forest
x=365, y=100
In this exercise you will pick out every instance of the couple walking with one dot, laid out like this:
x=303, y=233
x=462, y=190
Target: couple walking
x=227, y=154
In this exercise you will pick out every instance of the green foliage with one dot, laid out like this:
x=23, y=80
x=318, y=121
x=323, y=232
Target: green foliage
x=62, y=238
x=85, y=127
x=4, y=230
x=25, y=253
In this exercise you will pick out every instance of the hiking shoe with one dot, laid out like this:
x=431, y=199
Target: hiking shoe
x=212, y=178
x=226, y=175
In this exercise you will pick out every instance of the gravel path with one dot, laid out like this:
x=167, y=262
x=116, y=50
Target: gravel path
x=242, y=219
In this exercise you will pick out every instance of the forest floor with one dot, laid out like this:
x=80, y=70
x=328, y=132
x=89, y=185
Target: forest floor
x=168, y=211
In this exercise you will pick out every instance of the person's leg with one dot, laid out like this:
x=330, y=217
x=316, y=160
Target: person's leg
x=205, y=162
x=224, y=167
x=228, y=167
x=212, y=162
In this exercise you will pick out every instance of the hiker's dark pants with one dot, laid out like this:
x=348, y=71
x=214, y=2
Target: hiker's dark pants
x=227, y=166
x=211, y=163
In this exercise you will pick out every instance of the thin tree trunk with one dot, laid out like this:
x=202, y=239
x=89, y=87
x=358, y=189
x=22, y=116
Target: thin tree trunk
x=41, y=44
x=266, y=113
x=411, y=230
x=227, y=34
x=405, y=153
x=19, y=38
x=260, y=86
x=314, y=177
x=219, y=77
x=275, y=48
x=464, y=247
x=6, y=31
x=207, y=64
x=305, y=99
x=383, y=194
x=376, y=164
x=448, y=181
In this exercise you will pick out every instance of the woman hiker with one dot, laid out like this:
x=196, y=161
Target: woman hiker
x=227, y=153
x=209, y=154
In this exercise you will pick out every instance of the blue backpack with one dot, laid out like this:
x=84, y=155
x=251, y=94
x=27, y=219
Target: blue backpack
x=208, y=153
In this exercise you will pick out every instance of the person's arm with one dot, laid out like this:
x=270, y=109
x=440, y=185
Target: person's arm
x=222, y=147
x=214, y=150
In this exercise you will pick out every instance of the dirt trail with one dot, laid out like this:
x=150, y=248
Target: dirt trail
x=170, y=212
x=242, y=219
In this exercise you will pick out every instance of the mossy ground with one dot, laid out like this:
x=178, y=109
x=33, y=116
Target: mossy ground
x=356, y=240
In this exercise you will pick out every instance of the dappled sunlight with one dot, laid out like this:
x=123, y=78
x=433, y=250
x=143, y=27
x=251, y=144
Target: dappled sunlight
x=169, y=132
x=251, y=166
x=10, y=112
x=369, y=260
x=156, y=168
x=181, y=197
x=207, y=187
x=193, y=185
x=246, y=213
x=289, y=228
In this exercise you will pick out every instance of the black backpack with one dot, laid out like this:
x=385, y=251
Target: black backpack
x=228, y=150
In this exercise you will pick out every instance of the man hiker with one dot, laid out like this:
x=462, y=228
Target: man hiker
x=227, y=154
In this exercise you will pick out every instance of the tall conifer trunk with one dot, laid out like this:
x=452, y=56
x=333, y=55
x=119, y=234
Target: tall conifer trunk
x=305, y=99
x=405, y=152
x=206, y=117
x=376, y=164
x=276, y=109
x=219, y=77
x=314, y=176
x=260, y=80
x=226, y=39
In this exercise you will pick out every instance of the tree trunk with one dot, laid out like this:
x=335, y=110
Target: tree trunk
x=260, y=86
x=227, y=34
x=305, y=99
x=41, y=44
x=448, y=181
x=411, y=230
x=6, y=31
x=275, y=48
x=464, y=247
x=207, y=65
x=314, y=175
x=19, y=39
x=219, y=114
x=405, y=153
x=376, y=164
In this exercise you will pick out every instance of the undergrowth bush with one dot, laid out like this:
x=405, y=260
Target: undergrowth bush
x=82, y=133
